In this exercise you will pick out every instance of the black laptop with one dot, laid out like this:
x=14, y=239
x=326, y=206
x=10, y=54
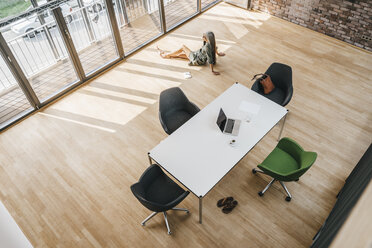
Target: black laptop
x=228, y=126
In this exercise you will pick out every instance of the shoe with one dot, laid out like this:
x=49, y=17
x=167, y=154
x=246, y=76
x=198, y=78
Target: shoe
x=229, y=207
x=224, y=201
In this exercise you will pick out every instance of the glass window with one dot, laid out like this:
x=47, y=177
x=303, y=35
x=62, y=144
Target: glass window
x=13, y=103
x=90, y=29
x=138, y=21
x=13, y=7
x=207, y=3
x=39, y=49
x=240, y=3
x=178, y=10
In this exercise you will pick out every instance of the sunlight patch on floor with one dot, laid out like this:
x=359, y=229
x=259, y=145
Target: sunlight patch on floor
x=77, y=122
x=225, y=20
x=198, y=38
x=251, y=18
x=238, y=30
x=117, y=94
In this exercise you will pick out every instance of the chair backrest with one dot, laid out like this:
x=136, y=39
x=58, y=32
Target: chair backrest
x=307, y=160
x=281, y=76
x=172, y=99
x=139, y=189
x=303, y=158
x=145, y=191
x=292, y=148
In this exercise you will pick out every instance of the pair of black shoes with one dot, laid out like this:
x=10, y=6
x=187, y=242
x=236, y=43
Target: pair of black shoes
x=227, y=204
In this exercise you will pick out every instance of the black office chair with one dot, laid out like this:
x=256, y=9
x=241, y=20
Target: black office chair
x=157, y=192
x=175, y=109
x=281, y=76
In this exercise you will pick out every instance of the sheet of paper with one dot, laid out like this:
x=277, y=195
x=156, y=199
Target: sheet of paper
x=249, y=107
x=187, y=75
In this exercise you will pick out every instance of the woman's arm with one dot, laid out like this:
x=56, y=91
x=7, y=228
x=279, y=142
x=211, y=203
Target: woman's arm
x=213, y=71
x=210, y=58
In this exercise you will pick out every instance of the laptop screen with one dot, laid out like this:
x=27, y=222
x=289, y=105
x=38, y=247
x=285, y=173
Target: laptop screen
x=221, y=120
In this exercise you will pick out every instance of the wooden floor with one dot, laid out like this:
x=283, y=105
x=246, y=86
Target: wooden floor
x=65, y=172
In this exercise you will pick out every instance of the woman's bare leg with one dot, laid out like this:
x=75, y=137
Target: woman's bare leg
x=183, y=56
x=177, y=54
x=169, y=55
x=182, y=53
x=173, y=54
x=186, y=50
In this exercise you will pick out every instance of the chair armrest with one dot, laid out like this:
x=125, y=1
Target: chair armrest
x=192, y=108
x=296, y=174
x=307, y=160
x=177, y=200
x=290, y=176
x=269, y=171
x=288, y=97
x=162, y=207
x=257, y=87
x=151, y=205
x=163, y=124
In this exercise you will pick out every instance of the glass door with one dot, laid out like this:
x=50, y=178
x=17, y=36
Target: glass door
x=138, y=22
x=240, y=3
x=177, y=11
x=89, y=27
x=13, y=102
x=36, y=43
x=207, y=3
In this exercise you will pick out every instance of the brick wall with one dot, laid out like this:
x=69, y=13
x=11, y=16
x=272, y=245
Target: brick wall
x=350, y=21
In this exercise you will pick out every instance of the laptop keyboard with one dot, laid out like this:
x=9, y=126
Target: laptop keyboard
x=229, y=126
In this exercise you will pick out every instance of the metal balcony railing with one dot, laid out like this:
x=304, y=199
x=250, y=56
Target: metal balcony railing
x=7, y=80
x=33, y=51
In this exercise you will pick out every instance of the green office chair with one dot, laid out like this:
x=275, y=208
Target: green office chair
x=286, y=163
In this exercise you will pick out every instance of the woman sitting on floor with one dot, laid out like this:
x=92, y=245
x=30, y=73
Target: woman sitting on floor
x=200, y=57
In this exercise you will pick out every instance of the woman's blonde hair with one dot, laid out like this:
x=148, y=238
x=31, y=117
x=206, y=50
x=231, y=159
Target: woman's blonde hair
x=212, y=41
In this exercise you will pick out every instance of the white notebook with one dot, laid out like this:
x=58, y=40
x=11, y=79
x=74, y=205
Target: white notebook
x=249, y=107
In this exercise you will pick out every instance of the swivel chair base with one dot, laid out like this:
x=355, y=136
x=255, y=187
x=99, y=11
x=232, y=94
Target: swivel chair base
x=165, y=217
x=261, y=193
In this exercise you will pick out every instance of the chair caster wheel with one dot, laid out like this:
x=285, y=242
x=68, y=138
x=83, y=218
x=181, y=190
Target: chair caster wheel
x=260, y=193
x=143, y=224
x=187, y=212
x=288, y=199
x=254, y=171
x=169, y=233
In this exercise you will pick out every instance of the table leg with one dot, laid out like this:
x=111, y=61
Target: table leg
x=200, y=209
x=150, y=160
x=281, y=129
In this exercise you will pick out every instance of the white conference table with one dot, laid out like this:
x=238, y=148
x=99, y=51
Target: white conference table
x=199, y=155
